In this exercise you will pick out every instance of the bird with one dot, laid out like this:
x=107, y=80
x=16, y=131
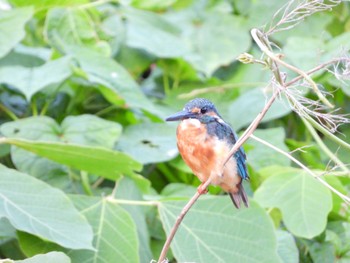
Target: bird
x=204, y=140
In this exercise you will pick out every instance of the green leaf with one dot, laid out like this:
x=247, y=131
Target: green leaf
x=114, y=81
x=84, y=129
x=90, y=130
x=151, y=32
x=261, y=156
x=45, y=4
x=250, y=104
x=128, y=190
x=114, y=230
x=31, y=80
x=149, y=142
x=67, y=29
x=286, y=247
x=303, y=201
x=216, y=40
x=12, y=24
x=100, y=161
x=214, y=231
x=33, y=206
x=52, y=257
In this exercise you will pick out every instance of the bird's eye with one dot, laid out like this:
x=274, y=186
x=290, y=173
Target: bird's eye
x=204, y=110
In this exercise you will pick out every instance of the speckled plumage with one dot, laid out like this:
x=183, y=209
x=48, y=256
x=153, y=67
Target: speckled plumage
x=204, y=140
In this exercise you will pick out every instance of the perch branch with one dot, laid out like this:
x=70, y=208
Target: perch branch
x=178, y=222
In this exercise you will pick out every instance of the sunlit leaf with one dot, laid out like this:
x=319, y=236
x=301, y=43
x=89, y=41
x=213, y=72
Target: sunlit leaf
x=70, y=28
x=115, y=236
x=215, y=231
x=303, y=201
x=28, y=204
x=149, y=143
x=107, y=163
x=52, y=257
x=31, y=80
x=12, y=24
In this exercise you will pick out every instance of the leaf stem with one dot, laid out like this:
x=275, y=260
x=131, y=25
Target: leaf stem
x=8, y=112
x=85, y=182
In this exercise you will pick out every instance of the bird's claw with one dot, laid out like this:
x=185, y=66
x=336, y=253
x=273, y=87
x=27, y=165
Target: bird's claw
x=202, y=190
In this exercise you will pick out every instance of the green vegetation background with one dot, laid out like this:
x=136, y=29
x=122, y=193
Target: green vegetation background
x=90, y=172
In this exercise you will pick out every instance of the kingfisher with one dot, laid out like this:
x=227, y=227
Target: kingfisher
x=204, y=140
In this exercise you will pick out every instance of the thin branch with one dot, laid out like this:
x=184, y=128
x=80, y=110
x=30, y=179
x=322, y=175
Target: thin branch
x=344, y=197
x=256, y=34
x=178, y=222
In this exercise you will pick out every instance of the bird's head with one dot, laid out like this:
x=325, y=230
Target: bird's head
x=201, y=109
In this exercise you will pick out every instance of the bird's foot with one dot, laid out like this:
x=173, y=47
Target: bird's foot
x=202, y=190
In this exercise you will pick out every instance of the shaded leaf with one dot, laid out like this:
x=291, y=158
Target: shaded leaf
x=12, y=24
x=96, y=160
x=149, y=142
x=214, y=231
x=31, y=80
x=286, y=247
x=303, y=201
x=250, y=104
x=52, y=257
x=114, y=230
x=260, y=156
x=28, y=204
x=115, y=82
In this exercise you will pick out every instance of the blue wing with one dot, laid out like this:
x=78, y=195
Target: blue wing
x=240, y=159
x=224, y=132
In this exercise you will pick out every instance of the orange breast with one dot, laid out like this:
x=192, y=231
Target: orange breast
x=205, y=155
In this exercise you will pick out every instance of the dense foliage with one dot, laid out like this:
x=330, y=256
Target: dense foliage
x=90, y=171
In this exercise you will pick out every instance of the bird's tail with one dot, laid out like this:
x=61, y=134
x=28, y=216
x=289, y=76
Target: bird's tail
x=239, y=197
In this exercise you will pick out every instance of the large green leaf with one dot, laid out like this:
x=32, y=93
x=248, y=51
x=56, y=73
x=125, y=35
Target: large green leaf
x=244, y=109
x=85, y=129
x=214, y=38
x=90, y=130
x=12, y=24
x=214, y=231
x=35, y=207
x=45, y=4
x=128, y=190
x=151, y=32
x=260, y=156
x=114, y=81
x=69, y=28
x=52, y=257
x=100, y=161
x=115, y=232
x=149, y=143
x=31, y=80
x=303, y=201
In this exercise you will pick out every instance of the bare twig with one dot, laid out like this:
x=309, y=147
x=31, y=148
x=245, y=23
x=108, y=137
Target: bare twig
x=293, y=16
x=257, y=36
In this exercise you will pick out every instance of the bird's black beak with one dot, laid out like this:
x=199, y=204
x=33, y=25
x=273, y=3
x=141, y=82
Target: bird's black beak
x=180, y=116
